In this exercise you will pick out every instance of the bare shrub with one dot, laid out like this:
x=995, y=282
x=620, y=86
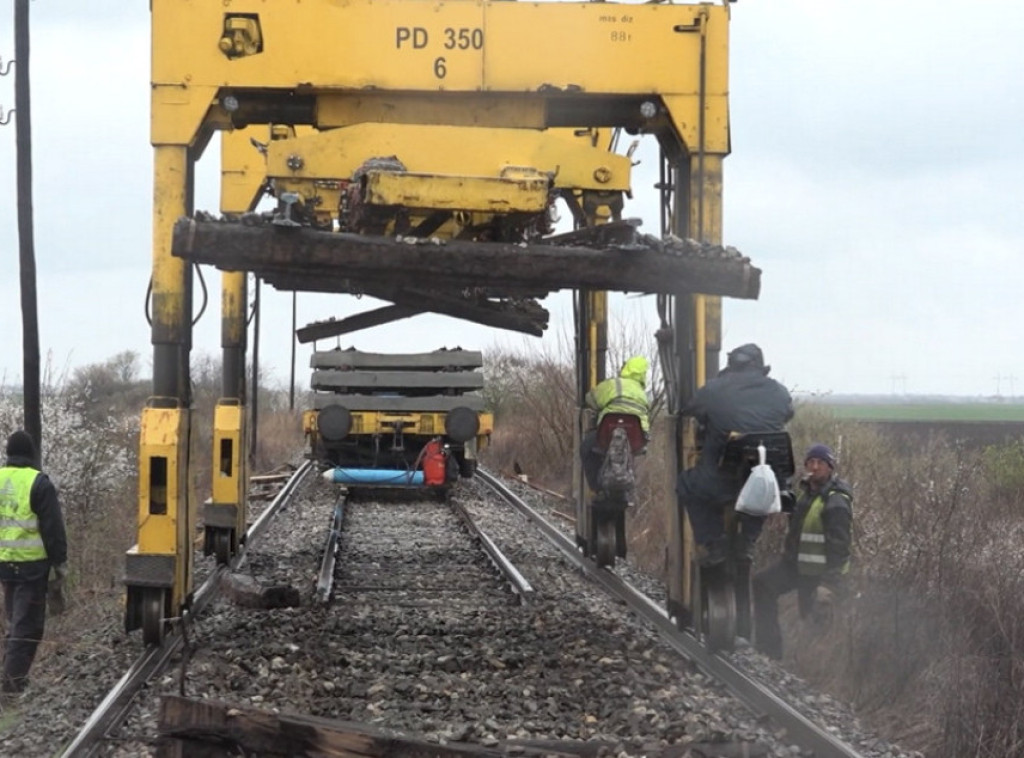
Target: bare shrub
x=1004, y=469
x=647, y=522
x=533, y=398
x=279, y=439
x=90, y=459
x=930, y=644
x=931, y=641
x=111, y=387
x=90, y=425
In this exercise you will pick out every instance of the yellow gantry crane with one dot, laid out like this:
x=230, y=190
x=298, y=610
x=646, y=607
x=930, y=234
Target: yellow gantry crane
x=491, y=108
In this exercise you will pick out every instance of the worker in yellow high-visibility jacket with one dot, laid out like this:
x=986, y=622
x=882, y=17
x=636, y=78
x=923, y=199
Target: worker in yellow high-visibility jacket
x=33, y=545
x=816, y=557
x=625, y=393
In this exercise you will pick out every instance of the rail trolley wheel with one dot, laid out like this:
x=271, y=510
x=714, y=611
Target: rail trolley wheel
x=719, y=606
x=606, y=547
x=222, y=545
x=153, y=621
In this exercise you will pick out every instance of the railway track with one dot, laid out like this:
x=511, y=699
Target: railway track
x=812, y=737
x=420, y=634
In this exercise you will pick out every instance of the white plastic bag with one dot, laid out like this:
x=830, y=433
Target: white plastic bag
x=760, y=493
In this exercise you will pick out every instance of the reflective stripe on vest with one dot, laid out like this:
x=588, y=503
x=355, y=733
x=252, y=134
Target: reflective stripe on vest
x=811, y=556
x=20, y=539
x=622, y=403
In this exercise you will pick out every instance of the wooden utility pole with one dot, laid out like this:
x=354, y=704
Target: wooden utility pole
x=26, y=241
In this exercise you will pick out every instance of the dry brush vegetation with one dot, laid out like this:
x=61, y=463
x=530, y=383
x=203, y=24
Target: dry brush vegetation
x=929, y=647
x=90, y=421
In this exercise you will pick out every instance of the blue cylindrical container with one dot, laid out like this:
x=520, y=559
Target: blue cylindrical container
x=383, y=477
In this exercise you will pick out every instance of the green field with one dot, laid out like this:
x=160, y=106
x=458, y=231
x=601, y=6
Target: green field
x=938, y=411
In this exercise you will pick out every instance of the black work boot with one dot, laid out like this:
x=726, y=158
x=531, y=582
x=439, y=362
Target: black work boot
x=712, y=554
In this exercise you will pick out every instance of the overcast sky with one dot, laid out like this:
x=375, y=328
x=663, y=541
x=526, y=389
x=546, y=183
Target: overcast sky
x=876, y=175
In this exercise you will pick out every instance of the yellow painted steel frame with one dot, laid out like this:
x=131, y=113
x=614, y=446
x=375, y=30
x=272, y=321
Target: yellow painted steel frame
x=660, y=69
x=485, y=168
x=227, y=509
x=243, y=170
x=504, y=62
x=379, y=422
x=572, y=161
x=482, y=194
x=228, y=455
x=167, y=509
x=242, y=174
x=166, y=512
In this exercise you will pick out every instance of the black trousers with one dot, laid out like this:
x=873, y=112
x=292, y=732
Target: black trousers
x=768, y=586
x=591, y=459
x=25, y=611
x=706, y=495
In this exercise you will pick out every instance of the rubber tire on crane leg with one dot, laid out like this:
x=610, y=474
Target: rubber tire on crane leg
x=222, y=546
x=154, y=624
x=606, y=547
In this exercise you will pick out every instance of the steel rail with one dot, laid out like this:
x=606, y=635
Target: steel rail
x=325, y=580
x=520, y=585
x=114, y=707
x=758, y=698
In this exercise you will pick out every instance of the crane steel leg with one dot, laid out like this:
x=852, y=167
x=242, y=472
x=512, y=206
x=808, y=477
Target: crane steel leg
x=224, y=516
x=158, y=569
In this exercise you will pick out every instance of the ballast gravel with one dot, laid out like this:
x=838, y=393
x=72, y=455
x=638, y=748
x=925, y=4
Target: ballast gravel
x=424, y=638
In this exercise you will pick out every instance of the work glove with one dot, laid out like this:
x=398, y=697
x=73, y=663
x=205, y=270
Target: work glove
x=55, y=590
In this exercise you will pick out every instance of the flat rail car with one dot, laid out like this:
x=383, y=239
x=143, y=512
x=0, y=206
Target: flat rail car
x=397, y=419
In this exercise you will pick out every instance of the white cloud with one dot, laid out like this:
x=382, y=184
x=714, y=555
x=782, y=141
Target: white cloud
x=875, y=180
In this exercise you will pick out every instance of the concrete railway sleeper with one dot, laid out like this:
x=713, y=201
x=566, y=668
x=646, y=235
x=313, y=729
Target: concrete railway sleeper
x=422, y=643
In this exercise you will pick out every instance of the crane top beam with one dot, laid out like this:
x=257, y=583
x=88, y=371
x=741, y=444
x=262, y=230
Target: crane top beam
x=489, y=62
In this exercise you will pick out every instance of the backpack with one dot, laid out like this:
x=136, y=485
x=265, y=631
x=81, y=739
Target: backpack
x=617, y=474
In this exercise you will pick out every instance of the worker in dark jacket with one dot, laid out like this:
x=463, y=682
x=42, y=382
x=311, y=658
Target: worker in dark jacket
x=742, y=398
x=625, y=393
x=32, y=543
x=816, y=557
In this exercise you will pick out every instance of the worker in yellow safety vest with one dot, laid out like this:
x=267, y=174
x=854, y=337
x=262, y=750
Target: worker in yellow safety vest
x=33, y=546
x=816, y=556
x=625, y=393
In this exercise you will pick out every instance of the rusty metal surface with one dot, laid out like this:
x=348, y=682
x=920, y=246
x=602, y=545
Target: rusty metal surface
x=322, y=260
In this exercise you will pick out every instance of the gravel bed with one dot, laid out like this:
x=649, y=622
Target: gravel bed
x=822, y=708
x=423, y=638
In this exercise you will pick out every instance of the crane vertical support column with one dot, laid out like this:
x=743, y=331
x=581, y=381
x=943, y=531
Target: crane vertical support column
x=170, y=317
x=706, y=214
x=592, y=362
x=680, y=545
x=592, y=351
x=701, y=317
x=698, y=214
x=225, y=514
x=159, y=568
